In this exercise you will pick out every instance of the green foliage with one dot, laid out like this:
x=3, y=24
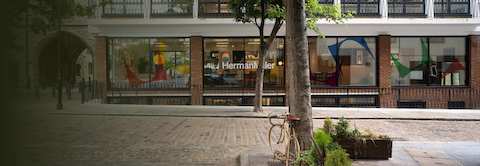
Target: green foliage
x=307, y=157
x=316, y=11
x=46, y=15
x=337, y=157
x=328, y=126
x=342, y=129
x=321, y=138
x=248, y=11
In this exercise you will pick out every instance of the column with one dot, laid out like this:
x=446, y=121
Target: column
x=429, y=8
x=339, y=3
x=101, y=67
x=475, y=9
x=147, y=9
x=196, y=84
x=383, y=9
x=384, y=72
x=195, y=9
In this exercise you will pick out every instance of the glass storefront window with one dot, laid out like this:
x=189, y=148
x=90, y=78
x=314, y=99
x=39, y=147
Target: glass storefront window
x=448, y=61
x=349, y=61
x=436, y=61
x=357, y=60
x=322, y=62
x=128, y=63
x=232, y=63
x=409, y=61
x=162, y=63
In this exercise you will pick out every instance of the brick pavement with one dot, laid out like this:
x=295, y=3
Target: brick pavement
x=140, y=135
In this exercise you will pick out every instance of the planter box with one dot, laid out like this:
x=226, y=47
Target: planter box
x=368, y=149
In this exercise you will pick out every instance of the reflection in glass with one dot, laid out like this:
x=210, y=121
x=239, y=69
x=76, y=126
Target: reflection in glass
x=410, y=60
x=322, y=62
x=428, y=61
x=448, y=60
x=357, y=60
x=232, y=63
x=171, y=8
x=162, y=63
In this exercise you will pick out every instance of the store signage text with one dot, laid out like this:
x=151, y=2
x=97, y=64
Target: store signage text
x=237, y=66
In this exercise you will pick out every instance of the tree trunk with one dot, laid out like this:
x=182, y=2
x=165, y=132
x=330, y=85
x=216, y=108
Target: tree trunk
x=298, y=70
x=261, y=60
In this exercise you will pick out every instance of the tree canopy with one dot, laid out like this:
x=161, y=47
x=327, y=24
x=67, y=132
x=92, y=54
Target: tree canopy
x=249, y=11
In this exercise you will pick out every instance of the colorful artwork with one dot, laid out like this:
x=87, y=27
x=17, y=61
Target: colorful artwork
x=425, y=60
x=334, y=51
x=404, y=70
x=160, y=72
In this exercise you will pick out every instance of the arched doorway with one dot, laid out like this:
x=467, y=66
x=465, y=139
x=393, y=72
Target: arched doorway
x=58, y=60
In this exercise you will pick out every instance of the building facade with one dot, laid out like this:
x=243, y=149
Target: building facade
x=392, y=53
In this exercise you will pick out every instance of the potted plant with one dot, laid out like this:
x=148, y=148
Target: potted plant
x=360, y=145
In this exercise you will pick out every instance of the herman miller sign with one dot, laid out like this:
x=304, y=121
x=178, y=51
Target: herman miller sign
x=237, y=66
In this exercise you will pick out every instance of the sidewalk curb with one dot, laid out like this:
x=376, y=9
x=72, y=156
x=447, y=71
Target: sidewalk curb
x=259, y=116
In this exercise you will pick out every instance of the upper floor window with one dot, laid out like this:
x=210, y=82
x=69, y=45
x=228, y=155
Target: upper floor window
x=361, y=7
x=446, y=8
x=214, y=8
x=123, y=8
x=325, y=1
x=173, y=8
x=406, y=8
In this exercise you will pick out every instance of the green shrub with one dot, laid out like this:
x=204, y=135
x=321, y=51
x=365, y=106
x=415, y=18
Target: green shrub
x=337, y=157
x=342, y=129
x=328, y=126
x=307, y=157
x=321, y=138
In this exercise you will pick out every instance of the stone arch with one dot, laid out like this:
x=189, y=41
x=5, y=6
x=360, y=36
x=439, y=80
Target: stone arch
x=40, y=42
x=58, y=51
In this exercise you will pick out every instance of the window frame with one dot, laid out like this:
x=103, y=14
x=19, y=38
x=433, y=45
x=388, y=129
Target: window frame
x=358, y=5
x=243, y=87
x=403, y=4
x=448, y=12
x=428, y=83
x=124, y=13
x=218, y=14
x=109, y=65
x=337, y=85
x=177, y=15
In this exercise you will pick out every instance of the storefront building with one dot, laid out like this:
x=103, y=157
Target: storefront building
x=393, y=53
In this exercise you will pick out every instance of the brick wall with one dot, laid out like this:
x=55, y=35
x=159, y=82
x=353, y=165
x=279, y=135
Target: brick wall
x=385, y=72
x=475, y=62
x=196, y=70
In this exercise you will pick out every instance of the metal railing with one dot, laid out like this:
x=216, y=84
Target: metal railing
x=452, y=8
x=214, y=8
x=361, y=7
x=406, y=8
x=220, y=8
x=169, y=8
x=123, y=8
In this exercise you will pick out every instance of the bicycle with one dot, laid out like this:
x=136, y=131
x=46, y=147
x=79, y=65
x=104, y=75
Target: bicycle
x=287, y=137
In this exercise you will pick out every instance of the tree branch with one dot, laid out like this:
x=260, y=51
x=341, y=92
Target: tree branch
x=256, y=23
x=276, y=27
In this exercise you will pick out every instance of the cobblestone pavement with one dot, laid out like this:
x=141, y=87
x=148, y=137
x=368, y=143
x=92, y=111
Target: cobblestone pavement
x=152, y=140
x=55, y=139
